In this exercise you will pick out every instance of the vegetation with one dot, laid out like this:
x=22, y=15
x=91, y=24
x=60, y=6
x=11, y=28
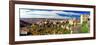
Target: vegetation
x=85, y=27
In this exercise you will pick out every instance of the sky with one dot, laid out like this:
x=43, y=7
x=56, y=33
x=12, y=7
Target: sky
x=47, y=13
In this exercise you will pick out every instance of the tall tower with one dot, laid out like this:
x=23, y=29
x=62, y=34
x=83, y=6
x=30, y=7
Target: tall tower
x=81, y=19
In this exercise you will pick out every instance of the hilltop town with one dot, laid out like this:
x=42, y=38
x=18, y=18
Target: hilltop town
x=46, y=26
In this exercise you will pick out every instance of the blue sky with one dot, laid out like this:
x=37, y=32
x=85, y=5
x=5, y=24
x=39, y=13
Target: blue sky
x=47, y=13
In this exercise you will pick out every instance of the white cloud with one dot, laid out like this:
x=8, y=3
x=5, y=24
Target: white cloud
x=24, y=10
x=24, y=13
x=67, y=13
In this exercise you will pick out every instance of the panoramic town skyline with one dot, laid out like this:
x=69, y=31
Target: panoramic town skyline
x=47, y=22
